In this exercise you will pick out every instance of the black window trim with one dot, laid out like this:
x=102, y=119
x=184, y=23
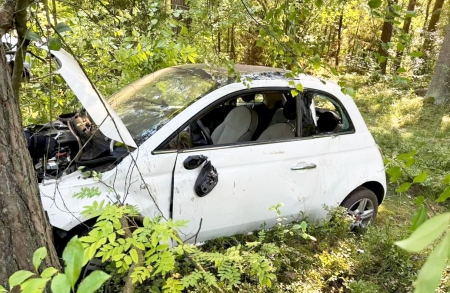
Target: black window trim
x=158, y=149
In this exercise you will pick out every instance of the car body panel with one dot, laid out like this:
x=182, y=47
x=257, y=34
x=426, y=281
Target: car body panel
x=251, y=180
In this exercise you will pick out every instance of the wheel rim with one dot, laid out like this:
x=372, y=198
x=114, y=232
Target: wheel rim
x=362, y=213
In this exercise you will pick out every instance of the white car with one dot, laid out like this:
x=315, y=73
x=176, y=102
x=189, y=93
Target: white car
x=219, y=153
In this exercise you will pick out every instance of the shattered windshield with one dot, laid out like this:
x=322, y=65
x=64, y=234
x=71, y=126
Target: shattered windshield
x=149, y=103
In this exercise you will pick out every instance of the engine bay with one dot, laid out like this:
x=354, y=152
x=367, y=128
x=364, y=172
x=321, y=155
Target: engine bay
x=72, y=141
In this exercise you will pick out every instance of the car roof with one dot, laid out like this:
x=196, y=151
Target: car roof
x=255, y=72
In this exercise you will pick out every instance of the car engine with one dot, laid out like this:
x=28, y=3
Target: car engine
x=62, y=146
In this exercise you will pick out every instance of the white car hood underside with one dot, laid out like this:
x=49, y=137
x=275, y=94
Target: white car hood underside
x=98, y=108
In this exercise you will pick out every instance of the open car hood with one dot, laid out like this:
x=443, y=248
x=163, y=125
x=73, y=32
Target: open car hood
x=98, y=108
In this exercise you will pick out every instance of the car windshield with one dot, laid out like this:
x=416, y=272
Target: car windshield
x=149, y=103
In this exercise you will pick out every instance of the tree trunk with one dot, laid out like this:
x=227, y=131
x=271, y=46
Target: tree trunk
x=406, y=27
x=339, y=35
x=439, y=87
x=427, y=14
x=181, y=5
x=386, y=35
x=432, y=25
x=23, y=223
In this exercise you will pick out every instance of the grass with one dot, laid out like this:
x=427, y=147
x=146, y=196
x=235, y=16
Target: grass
x=339, y=261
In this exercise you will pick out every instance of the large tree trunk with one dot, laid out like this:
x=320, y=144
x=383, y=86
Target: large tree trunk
x=439, y=87
x=386, y=35
x=23, y=224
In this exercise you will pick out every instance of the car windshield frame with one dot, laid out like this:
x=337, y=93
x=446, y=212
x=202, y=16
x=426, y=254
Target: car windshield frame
x=149, y=103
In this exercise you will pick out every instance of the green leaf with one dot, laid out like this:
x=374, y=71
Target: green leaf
x=419, y=200
x=426, y=233
x=410, y=13
x=112, y=237
x=444, y=195
x=299, y=87
x=62, y=27
x=36, y=285
x=154, y=21
x=134, y=255
x=374, y=3
x=401, y=70
x=416, y=54
x=409, y=162
x=349, y=91
x=421, y=177
x=73, y=259
x=60, y=284
x=32, y=36
x=381, y=59
x=404, y=187
x=404, y=157
x=400, y=47
x=446, y=180
x=420, y=216
x=54, y=44
x=3, y=290
x=294, y=93
x=431, y=272
x=318, y=3
x=394, y=173
x=48, y=272
x=38, y=256
x=93, y=282
x=18, y=277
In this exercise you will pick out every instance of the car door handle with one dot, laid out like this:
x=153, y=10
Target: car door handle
x=303, y=166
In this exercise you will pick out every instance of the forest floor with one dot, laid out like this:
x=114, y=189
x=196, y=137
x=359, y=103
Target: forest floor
x=339, y=261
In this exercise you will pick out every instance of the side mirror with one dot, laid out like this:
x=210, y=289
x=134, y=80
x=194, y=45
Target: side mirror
x=193, y=162
x=206, y=180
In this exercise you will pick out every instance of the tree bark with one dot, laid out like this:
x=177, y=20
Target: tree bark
x=339, y=35
x=427, y=14
x=439, y=87
x=24, y=226
x=435, y=16
x=406, y=27
x=182, y=5
x=21, y=28
x=386, y=35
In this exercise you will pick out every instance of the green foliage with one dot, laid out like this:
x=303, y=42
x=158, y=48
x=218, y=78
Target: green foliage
x=30, y=282
x=38, y=256
x=87, y=192
x=93, y=282
x=374, y=3
x=429, y=232
x=426, y=233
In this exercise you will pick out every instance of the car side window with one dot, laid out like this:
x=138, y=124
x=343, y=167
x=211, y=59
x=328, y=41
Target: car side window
x=260, y=116
x=330, y=116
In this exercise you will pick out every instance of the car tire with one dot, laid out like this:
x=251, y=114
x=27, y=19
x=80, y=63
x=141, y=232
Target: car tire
x=362, y=206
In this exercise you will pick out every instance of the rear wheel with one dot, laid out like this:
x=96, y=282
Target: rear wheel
x=362, y=207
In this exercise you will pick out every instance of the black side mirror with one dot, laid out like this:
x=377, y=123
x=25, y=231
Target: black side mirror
x=193, y=162
x=206, y=180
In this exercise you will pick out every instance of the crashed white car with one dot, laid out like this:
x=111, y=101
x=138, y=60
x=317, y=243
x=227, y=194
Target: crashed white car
x=191, y=143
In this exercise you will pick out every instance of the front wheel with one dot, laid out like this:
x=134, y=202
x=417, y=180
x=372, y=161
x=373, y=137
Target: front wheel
x=362, y=207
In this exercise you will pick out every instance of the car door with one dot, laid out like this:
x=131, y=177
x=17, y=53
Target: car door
x=252, y=177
